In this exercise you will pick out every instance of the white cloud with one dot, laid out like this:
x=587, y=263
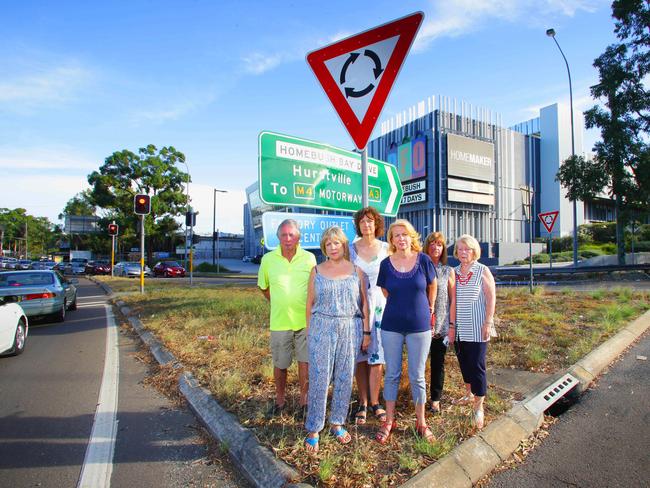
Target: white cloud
x=453, y=18
x=41, y=195
x=43, y=159
x=43, y=85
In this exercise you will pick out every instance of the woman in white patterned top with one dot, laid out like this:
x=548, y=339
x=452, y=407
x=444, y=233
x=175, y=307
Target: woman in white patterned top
x=475, y=304
x=366, y=253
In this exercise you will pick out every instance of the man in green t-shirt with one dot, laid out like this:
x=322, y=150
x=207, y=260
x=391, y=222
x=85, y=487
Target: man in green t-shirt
x=283, y=278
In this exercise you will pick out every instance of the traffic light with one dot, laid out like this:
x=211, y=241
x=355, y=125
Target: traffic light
x=190, y=219
x=142, y=204
x=113, y=229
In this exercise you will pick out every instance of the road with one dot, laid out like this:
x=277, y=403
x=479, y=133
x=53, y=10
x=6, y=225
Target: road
x=49, y=397
x=602, y=441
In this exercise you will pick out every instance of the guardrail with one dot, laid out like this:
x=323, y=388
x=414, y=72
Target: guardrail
x=501, y=272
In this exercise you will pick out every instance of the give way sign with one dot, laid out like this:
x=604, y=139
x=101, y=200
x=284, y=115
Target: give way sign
x=548, y=219
x=357, y=73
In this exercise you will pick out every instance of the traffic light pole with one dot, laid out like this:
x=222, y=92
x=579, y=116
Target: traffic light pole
x=141, y=253
x=191, y=253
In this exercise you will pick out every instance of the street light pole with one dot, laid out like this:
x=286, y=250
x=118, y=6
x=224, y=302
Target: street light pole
x=551, y=33
x=214, y=224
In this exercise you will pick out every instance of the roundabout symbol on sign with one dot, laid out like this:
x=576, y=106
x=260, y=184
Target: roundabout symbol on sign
x=377, y=71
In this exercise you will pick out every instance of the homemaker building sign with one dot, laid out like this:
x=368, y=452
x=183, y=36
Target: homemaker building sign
x=470, y=170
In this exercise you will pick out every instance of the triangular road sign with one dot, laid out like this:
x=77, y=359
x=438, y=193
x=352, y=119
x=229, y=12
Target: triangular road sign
x=548, y=219
x=357, y=73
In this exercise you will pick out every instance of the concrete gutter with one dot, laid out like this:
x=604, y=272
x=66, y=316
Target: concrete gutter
x=461, y=468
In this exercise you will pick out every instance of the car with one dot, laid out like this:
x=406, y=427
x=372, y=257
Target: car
x=14, y=326
x=257, y=259
x=247, y=259
x=24, y=264
x=76, y=266
x=98, y=268
x=130, y=269
x=41, y=292
x=8, y=263
x=168, y=269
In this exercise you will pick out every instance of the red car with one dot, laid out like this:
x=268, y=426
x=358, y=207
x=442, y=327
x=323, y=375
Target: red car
x=169, y=269
x=98, y=268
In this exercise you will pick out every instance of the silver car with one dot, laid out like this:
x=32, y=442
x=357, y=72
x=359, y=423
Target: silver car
x=130, y=269
x=41, y=293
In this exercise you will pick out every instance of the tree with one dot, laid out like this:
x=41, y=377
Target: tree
x=621, y=162
x=125, y=174
x=25, y=235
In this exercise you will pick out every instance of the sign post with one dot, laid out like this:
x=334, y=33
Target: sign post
x=548, y=220
x=357, y=74
x=298, y=172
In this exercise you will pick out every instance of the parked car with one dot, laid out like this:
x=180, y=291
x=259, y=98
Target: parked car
x=24, y=264
x=130, y=269
x=169, y=269
x=14, y=326
x=98, y=268
x=76, y=266
x=8, y=263
x=41, y=292
x=247, y=259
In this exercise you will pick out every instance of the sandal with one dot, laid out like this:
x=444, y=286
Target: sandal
x=311, y=443
x=379, y=412
x=425, y=432
x=360, y=416
x=464, y=400
x=383, y=434
x=435, y=407
x=341, y=435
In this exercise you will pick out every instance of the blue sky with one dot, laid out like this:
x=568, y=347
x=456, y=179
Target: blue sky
x=79, y=80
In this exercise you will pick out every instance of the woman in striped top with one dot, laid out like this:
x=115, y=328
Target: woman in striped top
x=475, y=303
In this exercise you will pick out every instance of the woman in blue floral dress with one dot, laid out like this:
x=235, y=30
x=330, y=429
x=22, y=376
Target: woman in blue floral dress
x=337, y=304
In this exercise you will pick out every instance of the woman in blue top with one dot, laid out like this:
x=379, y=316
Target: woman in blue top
x=408, y=281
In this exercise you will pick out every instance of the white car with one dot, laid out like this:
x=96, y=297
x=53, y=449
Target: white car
x=13, y=327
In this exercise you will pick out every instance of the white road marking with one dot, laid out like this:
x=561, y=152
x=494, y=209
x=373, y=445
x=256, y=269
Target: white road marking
x=89, y=304
x=98, y=463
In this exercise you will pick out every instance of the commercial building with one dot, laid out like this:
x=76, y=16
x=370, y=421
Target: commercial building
x=463, y=172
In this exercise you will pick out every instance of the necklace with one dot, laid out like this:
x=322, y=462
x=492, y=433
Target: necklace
x=464, y=280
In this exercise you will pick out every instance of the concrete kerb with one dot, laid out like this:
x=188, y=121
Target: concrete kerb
x=256, y=463
x=479, y=455
x=462, y=467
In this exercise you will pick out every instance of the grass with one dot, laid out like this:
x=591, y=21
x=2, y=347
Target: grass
x=221, y=335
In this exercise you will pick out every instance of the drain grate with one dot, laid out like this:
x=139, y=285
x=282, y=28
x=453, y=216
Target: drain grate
x=552, y=394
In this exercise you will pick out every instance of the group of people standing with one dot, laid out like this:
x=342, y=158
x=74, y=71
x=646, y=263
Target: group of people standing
x=352, y=315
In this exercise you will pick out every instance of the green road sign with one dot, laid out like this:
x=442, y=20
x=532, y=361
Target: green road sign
x=297, y=172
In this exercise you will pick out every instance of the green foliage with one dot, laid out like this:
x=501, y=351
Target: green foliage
x=154, y=172
x=36, y=236
x=599, y=232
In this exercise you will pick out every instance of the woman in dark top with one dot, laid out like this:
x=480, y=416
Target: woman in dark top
x=408, y=281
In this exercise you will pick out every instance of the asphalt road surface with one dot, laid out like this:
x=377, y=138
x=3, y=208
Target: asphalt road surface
x=602, y=441
x=49, y=413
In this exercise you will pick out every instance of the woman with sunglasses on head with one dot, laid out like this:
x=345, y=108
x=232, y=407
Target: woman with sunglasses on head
x=408, y=281
x=367, y=253
x=444, y=314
